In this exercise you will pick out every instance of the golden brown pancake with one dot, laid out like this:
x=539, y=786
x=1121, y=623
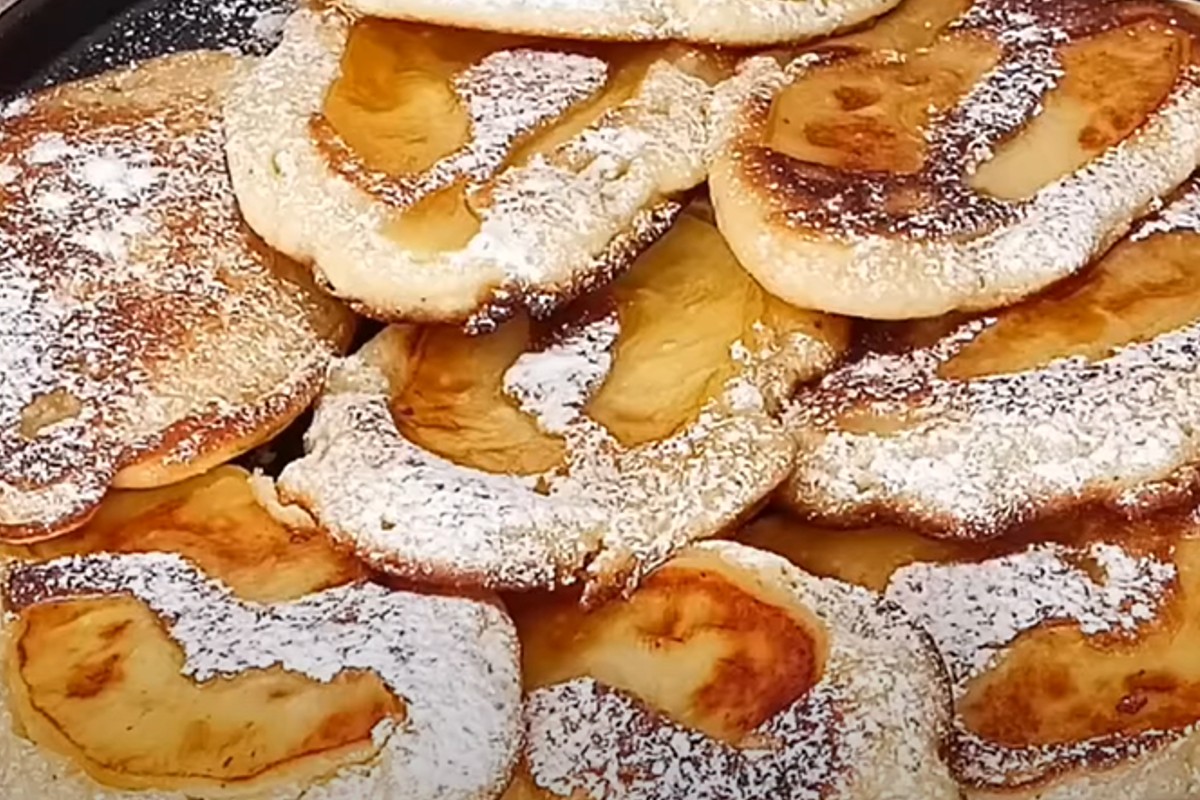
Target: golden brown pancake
x=967, y=427
x=960, y=155
x=728, y=673
x=438, y=175
x=148, y=335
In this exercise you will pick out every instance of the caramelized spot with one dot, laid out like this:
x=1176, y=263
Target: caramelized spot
x=871, y=114
x=122, y=709
x=700, y=641
x=454, y=403
x=682, y=307
x=1137, y=292
x=215, y=521
x=48, y=409
x=89, y=679
x=1113, y=82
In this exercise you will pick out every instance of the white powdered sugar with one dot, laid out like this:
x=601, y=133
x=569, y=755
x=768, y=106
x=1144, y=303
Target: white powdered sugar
x=553, y=385
x=608, y=509
x=452, y=661
x=871, y=727
x=612, y=513
x=1181, y=216
x=976, y=456
x=137, y=315
x=975, y=611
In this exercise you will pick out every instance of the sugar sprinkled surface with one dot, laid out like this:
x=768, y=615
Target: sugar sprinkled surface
x=112, y=321
x=981, y=454
x=975, y=611
x=871, y=727
x=452, y=661
x=614, y=512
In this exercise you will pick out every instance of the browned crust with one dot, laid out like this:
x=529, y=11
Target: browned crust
x=843, y=202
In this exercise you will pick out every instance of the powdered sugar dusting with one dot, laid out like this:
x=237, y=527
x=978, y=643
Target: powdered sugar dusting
x=975, y=611
x=451, y=660
x=580, y=731
x=1181, y=216
x=611, y=513
x=606, y=513
x=113, y=320
x=871, y=727
x=554, y=384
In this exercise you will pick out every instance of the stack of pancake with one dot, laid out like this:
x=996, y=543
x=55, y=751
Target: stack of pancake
x=710, y=400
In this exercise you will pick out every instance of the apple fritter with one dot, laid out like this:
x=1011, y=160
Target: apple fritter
x=186, y=643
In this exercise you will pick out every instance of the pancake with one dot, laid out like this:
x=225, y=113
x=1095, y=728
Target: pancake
x=730, y=22
x=969, y=427
x=184, y=644
x=145, y=334
x=960, y=155
x=588, y=448
x=1071, y=650
x=730, y=674
x=435, y=175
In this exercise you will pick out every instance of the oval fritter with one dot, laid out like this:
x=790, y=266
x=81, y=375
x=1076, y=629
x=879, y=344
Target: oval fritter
x=586, y=448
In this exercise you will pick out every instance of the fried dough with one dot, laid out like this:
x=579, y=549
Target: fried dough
x=960, y=156
x=439, y=175
x=730, y=674
x=184, y=644
x=966, y=428
x=588, y=448
x=729, y=22
x=1071, y=649
x=145, y=334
